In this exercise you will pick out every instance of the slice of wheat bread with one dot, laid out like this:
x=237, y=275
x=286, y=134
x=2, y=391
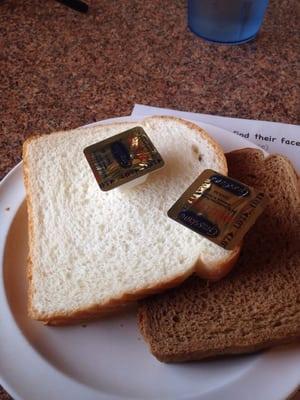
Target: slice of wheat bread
x=258, y=304
x=92, y=251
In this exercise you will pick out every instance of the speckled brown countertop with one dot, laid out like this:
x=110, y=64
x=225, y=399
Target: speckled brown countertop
x=61, y=69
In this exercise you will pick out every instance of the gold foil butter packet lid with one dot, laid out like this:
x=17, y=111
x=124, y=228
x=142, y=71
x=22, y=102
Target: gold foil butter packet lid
x=219, y=208
x=122, y=158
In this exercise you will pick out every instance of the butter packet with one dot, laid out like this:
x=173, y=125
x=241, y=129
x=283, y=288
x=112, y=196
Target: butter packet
x=122, y=158
x=219, y=208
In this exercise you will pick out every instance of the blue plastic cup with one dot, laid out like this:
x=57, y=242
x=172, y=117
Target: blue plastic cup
x=226, y=21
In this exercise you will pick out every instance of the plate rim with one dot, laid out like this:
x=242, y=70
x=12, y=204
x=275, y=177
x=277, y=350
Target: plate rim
x=228, y=390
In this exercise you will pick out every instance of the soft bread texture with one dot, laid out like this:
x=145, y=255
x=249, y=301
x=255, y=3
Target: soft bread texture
x=92, y=251
x=258, y=304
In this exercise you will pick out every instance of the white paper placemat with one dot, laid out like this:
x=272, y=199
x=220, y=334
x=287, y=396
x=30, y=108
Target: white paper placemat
x=274, y=137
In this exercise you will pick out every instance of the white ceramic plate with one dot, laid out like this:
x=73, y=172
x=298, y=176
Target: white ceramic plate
x=109, y=359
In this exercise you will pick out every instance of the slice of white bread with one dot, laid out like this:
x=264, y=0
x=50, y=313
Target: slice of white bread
x=91, y=251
